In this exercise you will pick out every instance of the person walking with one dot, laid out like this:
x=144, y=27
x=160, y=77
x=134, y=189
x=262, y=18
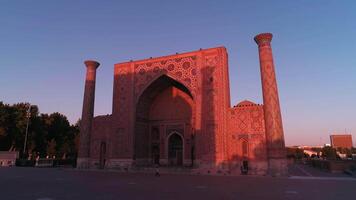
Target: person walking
x=157, y=174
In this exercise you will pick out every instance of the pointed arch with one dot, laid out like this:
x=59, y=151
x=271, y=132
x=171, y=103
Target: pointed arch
x=175, y=148
x=168, y=80
x=161, y=102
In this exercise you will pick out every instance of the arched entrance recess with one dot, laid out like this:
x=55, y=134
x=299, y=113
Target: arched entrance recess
x=175, y=149
x=164, y=105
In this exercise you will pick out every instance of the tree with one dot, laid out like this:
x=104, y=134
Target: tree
x=329, y=153
x=51, y=150
x=353, y=150
x=47, y=134
x=13, y=125
x=299, y=154
x=5, y=140
x=59, y=130
x=317, y=150
x=296, y=153
x=39, y=132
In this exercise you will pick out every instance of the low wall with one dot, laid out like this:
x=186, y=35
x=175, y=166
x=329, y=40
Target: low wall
x=333, y=166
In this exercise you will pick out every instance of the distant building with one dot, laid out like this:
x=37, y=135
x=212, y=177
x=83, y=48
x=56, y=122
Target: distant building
x=309, y=150
x=8, y=158
x=343, y=141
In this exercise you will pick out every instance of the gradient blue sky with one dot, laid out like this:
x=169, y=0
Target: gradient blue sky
x=43, y=45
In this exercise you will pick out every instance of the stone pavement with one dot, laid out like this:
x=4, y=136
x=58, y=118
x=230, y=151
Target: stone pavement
x=57, y=184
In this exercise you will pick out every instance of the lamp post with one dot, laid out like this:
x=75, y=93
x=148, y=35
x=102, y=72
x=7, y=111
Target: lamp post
x=28, y=115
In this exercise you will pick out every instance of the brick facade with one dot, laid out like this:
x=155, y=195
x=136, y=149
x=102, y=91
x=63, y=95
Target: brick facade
x=175, y=111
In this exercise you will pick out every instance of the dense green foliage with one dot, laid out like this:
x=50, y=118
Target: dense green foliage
x=50, y=135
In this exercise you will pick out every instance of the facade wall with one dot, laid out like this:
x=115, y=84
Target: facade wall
x=246, y=125
x=187, y=94
x=101, y=135
x=203, y=73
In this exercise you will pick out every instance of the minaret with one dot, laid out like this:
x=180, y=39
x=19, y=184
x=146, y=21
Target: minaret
x=276, y=153
x=87, y=114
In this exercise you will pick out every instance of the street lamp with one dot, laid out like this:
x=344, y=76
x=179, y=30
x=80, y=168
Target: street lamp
x=28, y=115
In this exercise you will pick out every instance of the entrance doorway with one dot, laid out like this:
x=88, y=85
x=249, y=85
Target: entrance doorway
x=102, y=155
x=175, y=150
x=155, y=154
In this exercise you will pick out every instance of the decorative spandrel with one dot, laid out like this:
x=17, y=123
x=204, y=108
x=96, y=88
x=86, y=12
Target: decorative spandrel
x=183, y=70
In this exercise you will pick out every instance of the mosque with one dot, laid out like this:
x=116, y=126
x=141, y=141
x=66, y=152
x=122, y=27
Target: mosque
x=174, y=111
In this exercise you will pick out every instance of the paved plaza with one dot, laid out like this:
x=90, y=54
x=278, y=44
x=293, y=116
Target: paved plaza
x=54, y=183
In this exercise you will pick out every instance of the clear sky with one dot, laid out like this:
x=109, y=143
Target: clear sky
x=43, y=45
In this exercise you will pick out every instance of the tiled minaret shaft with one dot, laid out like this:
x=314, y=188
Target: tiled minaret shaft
x=276, y=153
x=87, y=114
